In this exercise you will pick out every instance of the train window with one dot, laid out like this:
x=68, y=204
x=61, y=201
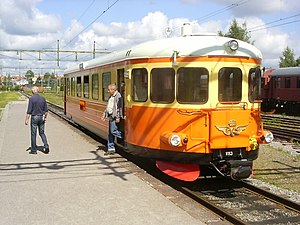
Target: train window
x=277, y=82
x=86, y=86
x=73, y=86
x=162, y=85
x=262, y=83
x=68, y=86
x=230, y=84
x=254, y=84
x=78, y=86
x=139, y=85
x=192, y=85
x=106, y=80
x=95, y=86
x=287, y=82
x=298, y=82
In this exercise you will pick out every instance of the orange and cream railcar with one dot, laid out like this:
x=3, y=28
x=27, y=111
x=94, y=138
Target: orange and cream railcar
x=190, y=102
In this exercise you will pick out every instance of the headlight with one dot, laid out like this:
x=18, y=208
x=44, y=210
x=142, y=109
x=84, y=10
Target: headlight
x=233, y=45
x=269, y=137
x=175, y=140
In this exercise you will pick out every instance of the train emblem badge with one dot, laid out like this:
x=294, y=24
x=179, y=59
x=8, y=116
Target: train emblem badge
x=232, y=129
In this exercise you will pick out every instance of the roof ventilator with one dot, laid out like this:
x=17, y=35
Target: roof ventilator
x=186, y=30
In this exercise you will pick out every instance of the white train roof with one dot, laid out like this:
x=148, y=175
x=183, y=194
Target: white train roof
x=197, y=45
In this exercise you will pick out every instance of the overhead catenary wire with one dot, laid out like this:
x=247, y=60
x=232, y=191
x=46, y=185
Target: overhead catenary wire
x=108, y=8
x=84, y=12
x=78, y=19
x=51, y=57
x=216, y=12
x=264, y=27
x=7, y=56
x=253, y=29
x=274, y=21
x=222, y=10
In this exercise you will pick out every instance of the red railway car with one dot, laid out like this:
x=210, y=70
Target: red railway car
x=281, y=90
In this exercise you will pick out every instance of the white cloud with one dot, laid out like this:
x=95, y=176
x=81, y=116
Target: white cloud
x=71, y=33
x=112, y=29
x=271, y=42
x=210, y=26
x=21, y=17
x=118, y=35
x=260, y=8
x=31, y=42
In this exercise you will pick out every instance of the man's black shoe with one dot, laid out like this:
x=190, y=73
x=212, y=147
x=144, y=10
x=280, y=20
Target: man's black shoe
x=31, y=152
x=46, y=150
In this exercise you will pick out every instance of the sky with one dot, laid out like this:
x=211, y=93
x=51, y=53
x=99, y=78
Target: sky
x=117, y=24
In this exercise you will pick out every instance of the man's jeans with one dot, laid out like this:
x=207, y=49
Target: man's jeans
x=37, y=122
x=112, y=133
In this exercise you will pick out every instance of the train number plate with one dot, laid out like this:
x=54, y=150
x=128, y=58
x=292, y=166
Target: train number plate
x=229, y=153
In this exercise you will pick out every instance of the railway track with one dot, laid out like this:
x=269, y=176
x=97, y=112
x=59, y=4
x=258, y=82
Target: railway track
x=242, y=203
x=283, y=127
x=236, y=202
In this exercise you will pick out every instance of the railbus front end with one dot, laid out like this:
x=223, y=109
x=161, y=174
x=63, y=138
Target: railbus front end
x=213, y=120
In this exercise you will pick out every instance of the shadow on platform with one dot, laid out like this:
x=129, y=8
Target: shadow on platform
x=81, y=167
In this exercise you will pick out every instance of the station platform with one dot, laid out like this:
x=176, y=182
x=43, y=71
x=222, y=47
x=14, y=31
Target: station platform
x=75, y=183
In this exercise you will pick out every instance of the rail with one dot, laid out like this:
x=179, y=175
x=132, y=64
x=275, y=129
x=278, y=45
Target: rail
x=241, y=203
x=283, y=127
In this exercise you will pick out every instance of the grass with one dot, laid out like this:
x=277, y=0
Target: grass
x=279, y=167
x=51, y=96
x=6, y=97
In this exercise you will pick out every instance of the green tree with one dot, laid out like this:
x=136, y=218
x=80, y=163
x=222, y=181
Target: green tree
x=46, y=80
x=238, y=32
x=288, y=58
x=53, y=76
x=47, y=75
x=29, y=75
x=38, y=81
x=298, y=61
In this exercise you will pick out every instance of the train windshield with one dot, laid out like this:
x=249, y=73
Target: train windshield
x=192, y=85
x=230, y=84
x=254, y=84
x=162, y=85
x=139, y=85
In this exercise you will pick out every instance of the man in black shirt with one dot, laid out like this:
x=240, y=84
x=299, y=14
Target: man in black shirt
x=38, y=110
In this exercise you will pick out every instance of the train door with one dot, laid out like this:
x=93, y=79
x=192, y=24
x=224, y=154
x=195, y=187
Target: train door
x=121, y=89
x=64, y=83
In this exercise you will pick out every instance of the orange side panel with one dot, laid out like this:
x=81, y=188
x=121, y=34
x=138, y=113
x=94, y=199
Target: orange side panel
x=87, y=113
x=145, y=125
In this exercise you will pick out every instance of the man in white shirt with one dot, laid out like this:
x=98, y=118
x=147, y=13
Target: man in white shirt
x=114, y=113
